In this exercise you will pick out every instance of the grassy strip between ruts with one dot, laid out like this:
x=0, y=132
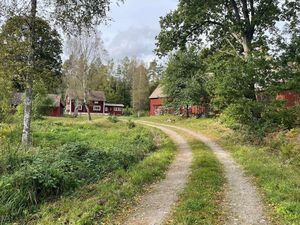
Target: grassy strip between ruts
x=100, y=202
x=200, y=202
x=277, y=179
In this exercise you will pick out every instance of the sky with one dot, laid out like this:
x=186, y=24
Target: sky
x=133, y=28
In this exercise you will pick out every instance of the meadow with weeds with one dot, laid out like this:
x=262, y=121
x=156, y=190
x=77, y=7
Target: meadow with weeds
x=68, y=154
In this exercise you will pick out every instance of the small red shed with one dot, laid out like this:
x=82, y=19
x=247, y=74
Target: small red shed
x=58, y=106
x=114, y=109
x=156, y=101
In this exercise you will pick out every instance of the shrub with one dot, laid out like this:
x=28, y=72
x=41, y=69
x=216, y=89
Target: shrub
x=34, y=178
x=257, y=118
x=128, y=111
x=131, y=124
x=113, y=119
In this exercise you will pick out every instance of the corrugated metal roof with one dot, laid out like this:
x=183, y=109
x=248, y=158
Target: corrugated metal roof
x=158, y=93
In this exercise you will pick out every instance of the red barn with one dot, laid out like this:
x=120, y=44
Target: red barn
x=156, y=101
x=291, y=98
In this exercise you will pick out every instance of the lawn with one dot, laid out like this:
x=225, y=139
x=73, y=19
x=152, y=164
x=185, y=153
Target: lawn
x=273, y=166
x=77, y=171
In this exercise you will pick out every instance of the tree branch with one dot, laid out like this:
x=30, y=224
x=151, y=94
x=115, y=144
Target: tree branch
x=236, y=10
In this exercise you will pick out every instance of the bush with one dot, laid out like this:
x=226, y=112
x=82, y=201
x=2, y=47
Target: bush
x=113, y=119
x=131, y=124
x=128, y=111
x=258, y=118
x=30, y=179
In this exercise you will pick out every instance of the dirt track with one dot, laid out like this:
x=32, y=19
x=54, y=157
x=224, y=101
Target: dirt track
x=155, y=207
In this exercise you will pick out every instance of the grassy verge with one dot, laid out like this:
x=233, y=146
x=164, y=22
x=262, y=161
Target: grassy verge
x=200, y=203
x=99, y=203
x=277, y=177
x=68, y=154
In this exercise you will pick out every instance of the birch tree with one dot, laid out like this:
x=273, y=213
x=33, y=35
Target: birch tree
x=140, y=89
x=85, y=51
x=72, y=16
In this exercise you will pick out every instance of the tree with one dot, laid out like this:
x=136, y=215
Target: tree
x=155, y=72
x=72, y=16
x=85, y=51
x=185, y=80
x=140, y=89
x=237, y=24
x=16, y=47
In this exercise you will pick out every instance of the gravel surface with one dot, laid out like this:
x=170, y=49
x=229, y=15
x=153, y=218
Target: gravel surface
x=155, y=207
x=242, y=204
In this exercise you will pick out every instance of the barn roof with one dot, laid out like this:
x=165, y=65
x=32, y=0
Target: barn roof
x=17, y=99
x=92, y=95
x=158, y=93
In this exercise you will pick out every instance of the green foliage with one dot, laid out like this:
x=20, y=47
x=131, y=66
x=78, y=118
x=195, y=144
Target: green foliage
x=15, y=34
x=128, y=111
x=233, y=24
x=103, y=200
x=131, y=124
x=31, y=178
x=259, y=119
x=113, y=119
x=185, y=79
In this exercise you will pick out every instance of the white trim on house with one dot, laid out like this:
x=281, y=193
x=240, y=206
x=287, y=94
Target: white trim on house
x=97, y=108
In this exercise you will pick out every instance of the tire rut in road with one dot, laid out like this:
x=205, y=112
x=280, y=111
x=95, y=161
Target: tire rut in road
x=243, y=205
x=155, y=207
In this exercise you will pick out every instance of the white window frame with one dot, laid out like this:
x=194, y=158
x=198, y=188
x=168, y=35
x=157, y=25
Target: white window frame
x=106, y=109
x=79, y=107
x=97, y=108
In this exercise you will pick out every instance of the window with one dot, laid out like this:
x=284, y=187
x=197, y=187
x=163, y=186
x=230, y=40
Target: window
x=118, y=109
x=96, y=102
x=106, y=109
x=79, y=107
x=97, y=108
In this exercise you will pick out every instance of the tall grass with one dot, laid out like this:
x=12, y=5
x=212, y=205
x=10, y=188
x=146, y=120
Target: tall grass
x=65, y=157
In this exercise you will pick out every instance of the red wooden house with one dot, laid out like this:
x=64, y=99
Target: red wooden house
x=96, y=101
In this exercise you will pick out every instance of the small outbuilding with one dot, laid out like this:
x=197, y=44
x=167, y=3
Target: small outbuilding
x=114, y=109
x=157, y=99
x=58, y=106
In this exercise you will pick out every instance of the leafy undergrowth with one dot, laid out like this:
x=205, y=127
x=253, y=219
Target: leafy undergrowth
x=275, y=165
x=67, y=155
x=100, y=202
x=200, y=203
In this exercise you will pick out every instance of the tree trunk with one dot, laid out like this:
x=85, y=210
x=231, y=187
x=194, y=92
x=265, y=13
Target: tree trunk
x=29, y=80
x=27, y=115
x=75, y=114
x=87, y=107
x=187, y=111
